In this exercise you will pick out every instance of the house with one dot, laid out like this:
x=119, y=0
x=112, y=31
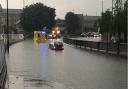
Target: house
x=13, y=17
x=88, y=23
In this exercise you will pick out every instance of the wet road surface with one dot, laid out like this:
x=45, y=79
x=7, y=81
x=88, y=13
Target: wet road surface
x=74, y=67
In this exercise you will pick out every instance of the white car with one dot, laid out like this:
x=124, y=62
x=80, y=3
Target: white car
x=57, y=45
x=84, y=35
x=115, y=39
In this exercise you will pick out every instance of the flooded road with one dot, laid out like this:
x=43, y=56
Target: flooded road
x=74, y=67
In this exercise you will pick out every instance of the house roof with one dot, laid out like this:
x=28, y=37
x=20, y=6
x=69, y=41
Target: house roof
x=11, y=11
x=91, y=17
x=88, y=18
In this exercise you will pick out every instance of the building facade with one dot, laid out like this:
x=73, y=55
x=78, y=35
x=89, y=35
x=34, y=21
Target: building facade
x=88, y=23
x=13, y=17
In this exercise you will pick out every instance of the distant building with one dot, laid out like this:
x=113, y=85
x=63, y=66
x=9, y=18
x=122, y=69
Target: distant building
x=13, y=17
x=60, y=23
x=88, y=23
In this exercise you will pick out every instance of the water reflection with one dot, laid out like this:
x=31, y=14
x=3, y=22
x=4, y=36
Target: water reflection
x=43, y=57
x=62, y=53
x=74, y=67
x=53, y=53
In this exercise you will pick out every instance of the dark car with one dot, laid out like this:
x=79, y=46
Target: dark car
x=57, y=45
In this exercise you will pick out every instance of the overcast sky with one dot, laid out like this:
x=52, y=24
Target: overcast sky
x=89, y=7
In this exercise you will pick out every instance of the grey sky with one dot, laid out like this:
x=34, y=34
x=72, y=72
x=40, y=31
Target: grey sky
x=89, y=7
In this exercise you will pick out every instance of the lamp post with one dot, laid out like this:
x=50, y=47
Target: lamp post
x=7, y=29
x=102, y=6
x=23, y=4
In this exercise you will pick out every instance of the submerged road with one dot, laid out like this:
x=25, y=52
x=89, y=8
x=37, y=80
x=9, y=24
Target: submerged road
x=74, y=67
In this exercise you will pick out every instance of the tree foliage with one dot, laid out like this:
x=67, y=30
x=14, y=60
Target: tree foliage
x=37, y=16
x=120, y=22
x=114, y=23
x=105, y=22
x=72, y=23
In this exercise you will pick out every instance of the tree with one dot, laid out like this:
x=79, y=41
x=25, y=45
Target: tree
x=120, y=21
x=115, y=23
x=105, y=22
x=37, y=16
x=72, y=23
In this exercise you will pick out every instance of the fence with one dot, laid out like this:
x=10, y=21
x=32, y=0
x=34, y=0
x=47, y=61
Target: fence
x=114, y=48
x=3, y=66
x=3, y=46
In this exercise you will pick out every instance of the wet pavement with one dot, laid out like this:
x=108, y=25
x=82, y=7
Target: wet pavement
x=73, y=67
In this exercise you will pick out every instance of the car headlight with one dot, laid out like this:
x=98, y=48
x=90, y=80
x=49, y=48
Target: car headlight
x=58, y=32
x=50, y=35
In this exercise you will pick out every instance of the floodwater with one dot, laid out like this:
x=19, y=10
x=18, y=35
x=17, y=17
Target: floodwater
x=74, y=67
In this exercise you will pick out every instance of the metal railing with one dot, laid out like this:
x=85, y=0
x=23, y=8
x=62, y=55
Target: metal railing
x=3, y=66
x=99, y=46
x=3, y=49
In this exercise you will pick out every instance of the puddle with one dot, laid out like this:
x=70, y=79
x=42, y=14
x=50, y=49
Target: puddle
x=43, y=84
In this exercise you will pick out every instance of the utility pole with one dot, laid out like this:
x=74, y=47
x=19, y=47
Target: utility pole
x=7, y=29
x=23, y=3
x=102, y=6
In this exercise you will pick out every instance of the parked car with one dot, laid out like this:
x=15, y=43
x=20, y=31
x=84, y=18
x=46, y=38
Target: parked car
x=57, y=45
x=97, y=35
x=83, y=35
x=115, y=39
x=90, y=34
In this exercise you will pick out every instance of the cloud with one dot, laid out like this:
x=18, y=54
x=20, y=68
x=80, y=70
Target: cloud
x=90, y=7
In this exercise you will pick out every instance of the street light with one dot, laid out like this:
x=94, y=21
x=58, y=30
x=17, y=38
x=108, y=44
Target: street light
x=102, y=6
x=53, y=32
x=57, y=28
x=58, y=32
x=7, y=30
x=23, y=4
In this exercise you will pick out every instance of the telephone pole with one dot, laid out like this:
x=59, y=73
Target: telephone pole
x=102, y=6
x=23, y=3
x=7, y=29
